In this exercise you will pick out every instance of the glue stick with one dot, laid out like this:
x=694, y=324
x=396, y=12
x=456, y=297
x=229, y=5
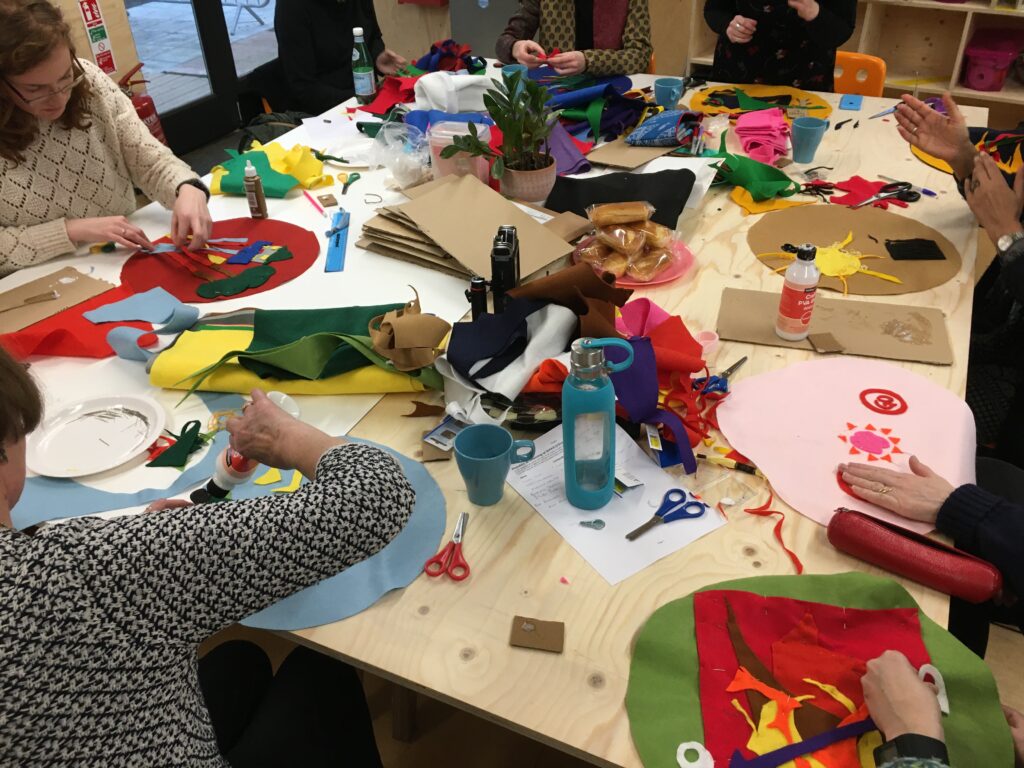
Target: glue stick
x=254, y=192
x=798, y=292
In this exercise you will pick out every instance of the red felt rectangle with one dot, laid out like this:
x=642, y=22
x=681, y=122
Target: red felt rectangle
x=846, y=639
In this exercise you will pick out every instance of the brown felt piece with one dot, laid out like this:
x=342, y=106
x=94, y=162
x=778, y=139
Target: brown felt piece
x=810, y=721
x=866, y=328
x=827, y=224
x=425, y=409
x=430, y=452
x=619, y=154
x=537, y=634
x=72, y=287
x=580, y=289
x=824, y=343
x=327, y=200
x=408, y=338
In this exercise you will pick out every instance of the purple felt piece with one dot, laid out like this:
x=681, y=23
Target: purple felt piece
x=637, y=391
x=568, y=158
x=248, y=253
x=809, y=746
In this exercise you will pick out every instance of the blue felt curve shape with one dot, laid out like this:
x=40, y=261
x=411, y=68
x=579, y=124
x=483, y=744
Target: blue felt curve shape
x=357, y=588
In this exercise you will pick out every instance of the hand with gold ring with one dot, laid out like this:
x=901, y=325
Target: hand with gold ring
x=917, y=495
x=943, y=136
x=741, y=30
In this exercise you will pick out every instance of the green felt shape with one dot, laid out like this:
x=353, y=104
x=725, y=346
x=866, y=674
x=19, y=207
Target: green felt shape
x=253, y=277
x=591, y=114
x=273, y=329
x=293, y=344
x=281, y=254
x=186, y=444
x=275, y=184
x=763, y=182
x=663, y=697
x=749, y=103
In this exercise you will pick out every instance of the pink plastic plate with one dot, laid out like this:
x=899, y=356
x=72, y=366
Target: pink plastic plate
x=682, y=260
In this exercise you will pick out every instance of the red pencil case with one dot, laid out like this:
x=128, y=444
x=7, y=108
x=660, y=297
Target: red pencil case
x=914, y=556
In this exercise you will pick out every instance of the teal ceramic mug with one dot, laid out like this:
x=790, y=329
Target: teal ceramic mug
x=668, y=91
x=484, y=453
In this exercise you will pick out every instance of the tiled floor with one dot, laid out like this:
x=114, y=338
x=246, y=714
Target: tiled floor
x=168, y=43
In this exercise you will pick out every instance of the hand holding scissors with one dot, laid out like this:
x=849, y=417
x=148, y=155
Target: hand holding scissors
x=450, y=560
x=674, y=506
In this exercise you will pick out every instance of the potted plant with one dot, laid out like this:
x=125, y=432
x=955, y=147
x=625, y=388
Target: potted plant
x=524, y=165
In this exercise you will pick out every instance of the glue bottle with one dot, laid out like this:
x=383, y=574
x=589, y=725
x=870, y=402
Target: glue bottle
x=798, y=292
x=233, y=468
x=254, y=192
x=588, y=422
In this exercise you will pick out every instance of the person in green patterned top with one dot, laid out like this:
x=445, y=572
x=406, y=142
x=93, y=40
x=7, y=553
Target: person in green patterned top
x=602, y=37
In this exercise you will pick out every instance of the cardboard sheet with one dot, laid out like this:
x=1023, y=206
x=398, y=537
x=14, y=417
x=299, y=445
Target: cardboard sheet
x=71, y=286
x=845, y=326
x=619, y=154
x=463, y=217
x=827, y=224
x=446, y=265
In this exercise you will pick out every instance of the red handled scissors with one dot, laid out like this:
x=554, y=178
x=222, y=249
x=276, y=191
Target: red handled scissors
x=450, y=560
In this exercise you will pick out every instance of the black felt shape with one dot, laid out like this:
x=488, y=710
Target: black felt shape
x=915, y=249
x=667, y=191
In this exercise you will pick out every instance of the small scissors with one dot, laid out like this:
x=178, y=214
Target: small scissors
x=901, y=190
x=450, y=560
x=674, y=506
x=719, y=383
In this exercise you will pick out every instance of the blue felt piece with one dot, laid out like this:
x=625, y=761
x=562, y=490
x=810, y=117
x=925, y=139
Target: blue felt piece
x=357, y=588
x=851, y=102
x=124, y=340
x=247, y=254
x=602, y=86
x=160, y=248
x=47, y=498
x=229, y=240
x=424, y=118
x=154, y=306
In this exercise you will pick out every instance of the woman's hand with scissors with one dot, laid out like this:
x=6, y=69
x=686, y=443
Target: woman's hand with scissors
x=996, y=206
x=741, y=30
x=943, y=136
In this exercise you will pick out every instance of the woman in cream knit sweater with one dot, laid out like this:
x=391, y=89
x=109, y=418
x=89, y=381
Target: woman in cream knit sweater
x=72, y=150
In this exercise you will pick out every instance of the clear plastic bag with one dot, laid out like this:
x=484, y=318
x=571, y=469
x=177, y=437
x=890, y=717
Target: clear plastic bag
x=658, y=235
x=625, y=240
x=649, y=265
x=404, y=151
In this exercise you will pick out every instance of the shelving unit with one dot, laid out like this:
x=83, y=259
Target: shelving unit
x=922, y=41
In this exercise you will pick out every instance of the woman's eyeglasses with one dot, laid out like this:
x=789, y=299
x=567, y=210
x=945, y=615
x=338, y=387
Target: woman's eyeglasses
x=77, y=76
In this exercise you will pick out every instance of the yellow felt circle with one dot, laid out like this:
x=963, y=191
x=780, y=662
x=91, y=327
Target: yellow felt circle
x=801, y=98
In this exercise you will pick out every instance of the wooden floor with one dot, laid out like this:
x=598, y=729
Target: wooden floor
x=448, y=736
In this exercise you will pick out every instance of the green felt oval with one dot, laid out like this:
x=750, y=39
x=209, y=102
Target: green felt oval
x=663, y=697
x=253, y=277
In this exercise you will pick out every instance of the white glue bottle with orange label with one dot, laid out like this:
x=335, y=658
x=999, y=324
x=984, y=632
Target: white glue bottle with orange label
x=797, y=304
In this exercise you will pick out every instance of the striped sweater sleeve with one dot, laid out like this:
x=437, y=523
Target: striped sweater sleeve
x=184, y=574
x=636, y=51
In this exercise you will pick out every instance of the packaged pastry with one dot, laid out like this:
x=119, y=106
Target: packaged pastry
x=658, y=235
x=619, y=213
x=616, y=263
x=593, y=252
x=625, y=240
x=649, y=265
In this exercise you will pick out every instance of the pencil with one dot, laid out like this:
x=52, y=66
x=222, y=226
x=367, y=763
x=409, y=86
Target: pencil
x=721, y=461
x=315, y=203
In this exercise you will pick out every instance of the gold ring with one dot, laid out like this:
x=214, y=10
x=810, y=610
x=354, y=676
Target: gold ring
x=886, y=489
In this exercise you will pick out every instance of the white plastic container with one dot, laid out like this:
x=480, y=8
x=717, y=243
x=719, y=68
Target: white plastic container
x=440, y=136
x=798, y=292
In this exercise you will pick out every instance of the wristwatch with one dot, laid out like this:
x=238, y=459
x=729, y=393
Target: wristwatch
x=205, y=190
x=1004, y=243
x=911, y=745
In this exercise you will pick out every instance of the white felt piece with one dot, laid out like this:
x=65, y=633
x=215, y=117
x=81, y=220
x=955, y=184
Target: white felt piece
x=704, y=759
x=930, y=673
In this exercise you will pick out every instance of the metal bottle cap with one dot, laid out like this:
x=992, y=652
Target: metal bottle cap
x=586, y=361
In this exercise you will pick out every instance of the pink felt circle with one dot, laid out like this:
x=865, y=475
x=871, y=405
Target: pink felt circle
x=869, y=442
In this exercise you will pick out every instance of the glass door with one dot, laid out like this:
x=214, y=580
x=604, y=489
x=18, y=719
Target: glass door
x=188, y=63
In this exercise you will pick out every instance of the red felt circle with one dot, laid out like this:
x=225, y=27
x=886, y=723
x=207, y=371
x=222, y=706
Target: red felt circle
x=144, y=271
x=883, y=401
x=845, y=487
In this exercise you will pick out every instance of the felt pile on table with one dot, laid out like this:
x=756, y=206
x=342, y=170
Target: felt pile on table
x=764, y=135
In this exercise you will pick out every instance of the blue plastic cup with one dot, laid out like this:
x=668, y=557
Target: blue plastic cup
x=668, y=91
x=807, y=135
x=485, y=453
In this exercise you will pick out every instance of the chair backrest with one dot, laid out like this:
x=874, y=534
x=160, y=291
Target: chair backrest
x=650, y=67
x=859, y=73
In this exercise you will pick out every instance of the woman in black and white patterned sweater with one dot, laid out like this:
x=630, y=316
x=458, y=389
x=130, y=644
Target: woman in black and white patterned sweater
x=100, y=620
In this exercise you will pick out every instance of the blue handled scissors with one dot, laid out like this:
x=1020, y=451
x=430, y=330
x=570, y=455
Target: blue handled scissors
x=719, y=383
x=676, y=505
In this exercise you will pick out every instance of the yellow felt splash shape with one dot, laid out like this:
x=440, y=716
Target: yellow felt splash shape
x=834, y=261
x=297, y=161
x=744, y=200
x=800, y=98
x=195, y=350
x=1010, y=167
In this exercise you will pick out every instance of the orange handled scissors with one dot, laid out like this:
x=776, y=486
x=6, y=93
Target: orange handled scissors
x=450, y=560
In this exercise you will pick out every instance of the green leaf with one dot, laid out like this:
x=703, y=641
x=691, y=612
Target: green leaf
x=499, y=168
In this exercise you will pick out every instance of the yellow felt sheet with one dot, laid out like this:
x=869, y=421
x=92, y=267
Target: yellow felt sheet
x=297, y=161
x=743, y=198
x=801, y=98
x=194, y=350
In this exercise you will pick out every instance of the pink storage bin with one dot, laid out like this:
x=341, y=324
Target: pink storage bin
x=990, y=54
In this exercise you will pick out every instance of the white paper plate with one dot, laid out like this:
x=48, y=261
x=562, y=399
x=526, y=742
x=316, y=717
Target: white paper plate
x=94, y=435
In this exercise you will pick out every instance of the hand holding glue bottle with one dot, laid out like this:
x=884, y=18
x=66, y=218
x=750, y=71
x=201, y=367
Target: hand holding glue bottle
x=233, y=468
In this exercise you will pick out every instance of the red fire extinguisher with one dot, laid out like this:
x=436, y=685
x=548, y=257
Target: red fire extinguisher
x=145, y=107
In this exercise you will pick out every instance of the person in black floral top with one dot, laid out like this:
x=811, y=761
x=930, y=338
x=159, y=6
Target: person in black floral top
x=779, y=42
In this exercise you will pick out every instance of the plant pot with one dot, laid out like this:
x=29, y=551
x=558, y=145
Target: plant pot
x=529, y=186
